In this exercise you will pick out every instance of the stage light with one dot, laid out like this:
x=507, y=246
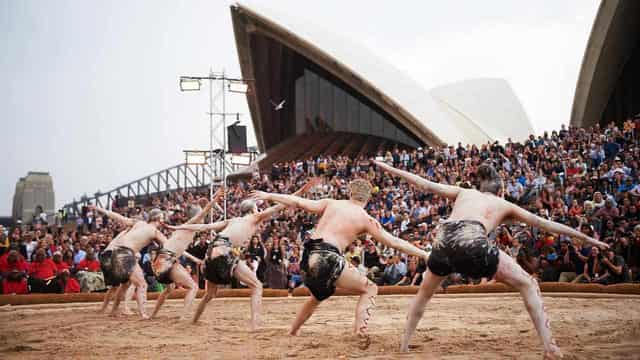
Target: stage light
x=238, y=87
x=187, y=84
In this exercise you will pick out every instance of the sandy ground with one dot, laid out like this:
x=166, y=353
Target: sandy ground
x=454, y=327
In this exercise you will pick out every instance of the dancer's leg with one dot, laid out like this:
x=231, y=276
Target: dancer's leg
x=247, y=276
x=428, y=287
x=161, y=298
x=212, y=289
x=128, y=296
x=107, y=298
x=351, y=279
x=304, y=314
x=510, y=273
x=118, y=297
x=138, y=280
x=182, y=277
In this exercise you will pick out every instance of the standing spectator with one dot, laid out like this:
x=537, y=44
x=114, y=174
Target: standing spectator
x=275, y=275
x=255, y=254
x=293, y=269
x=4, y=241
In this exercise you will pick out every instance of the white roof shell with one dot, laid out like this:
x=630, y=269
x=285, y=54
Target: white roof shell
x=472, y=112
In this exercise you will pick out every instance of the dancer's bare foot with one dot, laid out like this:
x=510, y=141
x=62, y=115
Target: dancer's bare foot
x=127, y=311
x=364, y=340
x=553, y=354
x=294, y=333
x=144, y=316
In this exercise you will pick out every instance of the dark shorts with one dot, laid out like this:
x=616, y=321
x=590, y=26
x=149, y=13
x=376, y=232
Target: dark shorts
x=106, y=267
x=462, y=246
x=219, y=270
x=322, y=264
x=123, y=261
x=162, y=265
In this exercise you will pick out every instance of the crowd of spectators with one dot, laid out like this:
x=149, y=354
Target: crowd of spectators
x=585, y=178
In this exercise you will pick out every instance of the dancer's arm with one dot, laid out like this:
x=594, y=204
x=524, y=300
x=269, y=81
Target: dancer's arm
x=375, y=229
x=159, y=237
x=314, y=206
x=192, y=258
x=216, y=226
x=551, y=226
x=113, y=215
x=269, y=212
x=448, y=191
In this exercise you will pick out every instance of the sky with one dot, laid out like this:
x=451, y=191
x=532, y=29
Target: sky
x=90, y=88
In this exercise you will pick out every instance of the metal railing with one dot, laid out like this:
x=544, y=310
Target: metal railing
x=179, y=177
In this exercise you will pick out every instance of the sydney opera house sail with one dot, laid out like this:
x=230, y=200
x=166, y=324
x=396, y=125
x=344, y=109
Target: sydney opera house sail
x=340, y=97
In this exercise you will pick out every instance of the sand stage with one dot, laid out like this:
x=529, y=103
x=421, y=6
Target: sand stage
x=470, y=326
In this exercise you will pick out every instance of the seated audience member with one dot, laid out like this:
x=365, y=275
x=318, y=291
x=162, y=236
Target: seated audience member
x=412, y=274
x=14, y=269
x=43, y=274
x=355, y=261
x=592, y=269
x=615, y=269
x=394, y=272
x=89, y=274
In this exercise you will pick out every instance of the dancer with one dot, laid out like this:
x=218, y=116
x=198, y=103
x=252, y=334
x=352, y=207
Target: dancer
x=169, y=271
x=222, y=261
x=105, y=265
x=323, y=263
x=462, y=246
x=121, y=263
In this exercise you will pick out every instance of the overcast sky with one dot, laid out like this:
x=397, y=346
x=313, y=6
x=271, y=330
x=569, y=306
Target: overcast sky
x=90, y=88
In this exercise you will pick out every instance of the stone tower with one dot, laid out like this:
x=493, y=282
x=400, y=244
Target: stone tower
x=34, y=194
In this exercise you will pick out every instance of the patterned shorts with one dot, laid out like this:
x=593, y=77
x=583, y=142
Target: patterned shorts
x=462, y=246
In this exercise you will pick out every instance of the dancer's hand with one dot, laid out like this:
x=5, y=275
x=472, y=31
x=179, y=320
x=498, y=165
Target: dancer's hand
x=167, y=226
x=259, y=195
x=381, y=164
x=600, y=244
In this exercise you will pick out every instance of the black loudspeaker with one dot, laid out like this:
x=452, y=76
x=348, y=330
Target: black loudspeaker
x=237, y=139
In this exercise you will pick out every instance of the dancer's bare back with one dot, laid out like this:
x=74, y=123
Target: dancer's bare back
x=489, y=209
x=240, y=230
x=139, y=234
x=342, y=221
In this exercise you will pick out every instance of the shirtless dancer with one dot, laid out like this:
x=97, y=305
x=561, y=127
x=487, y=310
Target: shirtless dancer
x=121, y=265
x=169, y=271
x=462, y=246
x=222, y=261
x=340, y=223
x=105, y=265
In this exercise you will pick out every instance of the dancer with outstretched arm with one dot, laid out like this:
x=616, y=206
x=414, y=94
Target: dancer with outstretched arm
x=323, y=263
x=462, y=246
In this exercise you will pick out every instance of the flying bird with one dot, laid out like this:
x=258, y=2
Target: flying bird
x=278, y=107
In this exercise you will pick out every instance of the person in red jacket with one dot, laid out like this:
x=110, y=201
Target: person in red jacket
x=43, y=274
x=14, y=270
x=68, y=283
x=89, y=263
